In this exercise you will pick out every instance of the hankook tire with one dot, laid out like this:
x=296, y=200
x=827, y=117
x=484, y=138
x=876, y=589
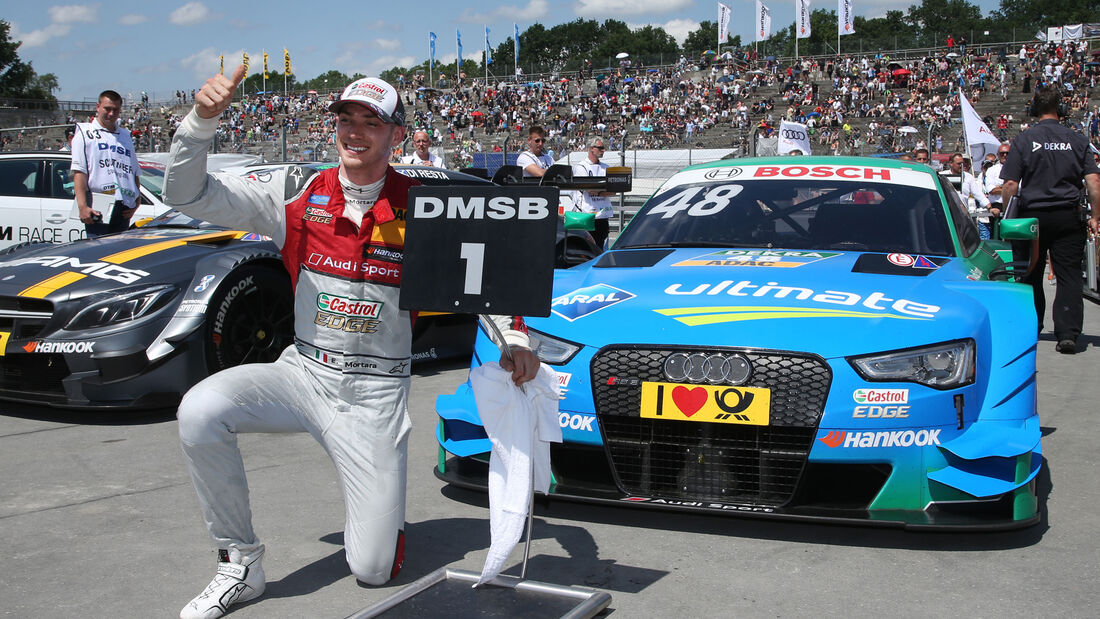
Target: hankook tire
x=250, y=318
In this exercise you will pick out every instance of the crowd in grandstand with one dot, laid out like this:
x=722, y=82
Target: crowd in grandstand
x=851, y=104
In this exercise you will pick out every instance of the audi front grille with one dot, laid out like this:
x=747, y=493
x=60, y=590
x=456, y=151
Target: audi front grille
x=720, y=462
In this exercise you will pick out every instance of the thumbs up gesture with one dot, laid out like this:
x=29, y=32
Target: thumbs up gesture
x=217, y=93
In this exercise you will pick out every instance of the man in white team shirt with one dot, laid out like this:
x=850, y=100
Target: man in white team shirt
x=535, y=160
x=104, y=161
x=594, y=201
x=422, y=156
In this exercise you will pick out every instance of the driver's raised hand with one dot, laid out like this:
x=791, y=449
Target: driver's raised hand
x=217, y=93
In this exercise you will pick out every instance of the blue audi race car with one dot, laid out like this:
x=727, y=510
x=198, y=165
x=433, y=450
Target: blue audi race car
x=810, y=338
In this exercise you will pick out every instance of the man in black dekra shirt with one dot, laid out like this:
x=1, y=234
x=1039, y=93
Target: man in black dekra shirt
x=1044, y=169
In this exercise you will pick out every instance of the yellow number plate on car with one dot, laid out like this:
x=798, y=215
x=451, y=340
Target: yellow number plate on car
x=706, y=403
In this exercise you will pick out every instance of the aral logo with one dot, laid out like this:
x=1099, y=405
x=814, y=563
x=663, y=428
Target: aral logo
x=584, y=301
x=348, y=307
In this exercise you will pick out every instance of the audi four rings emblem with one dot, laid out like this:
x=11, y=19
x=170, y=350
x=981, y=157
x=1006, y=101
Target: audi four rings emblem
x=793, y=134
x=709, y=368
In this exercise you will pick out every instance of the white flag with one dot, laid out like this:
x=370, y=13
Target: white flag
x=763, y=21
x=723, y=23
x=1075, y=31
x=1054, y=34
x=793, y=136
x=845, y=23
x=802, y=19
x=978, y=135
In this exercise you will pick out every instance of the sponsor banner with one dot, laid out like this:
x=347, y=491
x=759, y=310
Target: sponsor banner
x=880, y=412
x=706, y=403
x=815, y=172
x=846, y=21
x=800, y=303
x=802, y=18
x=577, y=421
x=204, y=283
x=192, y=307
x=699, y=504
x=763, y=21
x=46, y=346
x=588, y=300
x=881, y=438
x=794, y=136
x=756, y=258
x=881, y=396
x=347, y=306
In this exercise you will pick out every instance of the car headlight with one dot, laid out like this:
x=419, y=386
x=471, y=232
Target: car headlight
x=943, y=366
x=550, y=349
x=122, y=307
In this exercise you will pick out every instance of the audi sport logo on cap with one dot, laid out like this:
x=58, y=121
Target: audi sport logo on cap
x=376, y=94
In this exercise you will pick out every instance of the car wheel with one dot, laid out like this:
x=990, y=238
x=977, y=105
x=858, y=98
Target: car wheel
x=250, y=318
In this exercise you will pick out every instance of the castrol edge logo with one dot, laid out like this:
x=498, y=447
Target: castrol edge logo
x=346, y=306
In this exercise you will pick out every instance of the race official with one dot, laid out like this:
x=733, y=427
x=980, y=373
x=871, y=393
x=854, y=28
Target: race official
x=535, y=160
x=970, y=190
x=595, y=201
x=104, y=161
x=422, y=156
x=1044, y=169
x=992, y=182
x=345, y=380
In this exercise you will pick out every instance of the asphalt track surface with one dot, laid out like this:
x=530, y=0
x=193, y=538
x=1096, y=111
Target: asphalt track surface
x=98, y=519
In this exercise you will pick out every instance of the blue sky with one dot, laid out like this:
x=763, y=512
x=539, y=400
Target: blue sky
x=159, y=47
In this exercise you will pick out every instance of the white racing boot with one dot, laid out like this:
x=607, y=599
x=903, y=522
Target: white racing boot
x=240, y=578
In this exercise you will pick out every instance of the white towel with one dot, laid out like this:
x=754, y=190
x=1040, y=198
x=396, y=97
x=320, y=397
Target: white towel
x=521, y=424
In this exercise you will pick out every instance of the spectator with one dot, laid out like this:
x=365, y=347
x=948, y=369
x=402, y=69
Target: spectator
x=594, y=201
x=533, y=160
x=104, y=161
x=422, y=155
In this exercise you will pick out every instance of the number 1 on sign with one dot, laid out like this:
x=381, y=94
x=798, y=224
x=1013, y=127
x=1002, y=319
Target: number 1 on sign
x=474, y=255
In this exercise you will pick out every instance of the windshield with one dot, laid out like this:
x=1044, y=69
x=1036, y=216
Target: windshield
x=799, y=213
x=152, y=178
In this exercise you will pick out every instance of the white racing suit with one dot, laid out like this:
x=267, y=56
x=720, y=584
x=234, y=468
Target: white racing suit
x=346, y=378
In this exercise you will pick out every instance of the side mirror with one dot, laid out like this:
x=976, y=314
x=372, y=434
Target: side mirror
x=575, y=220
x=1024, y=229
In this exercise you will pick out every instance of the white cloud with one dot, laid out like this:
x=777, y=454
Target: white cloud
x=204, y=64
x=73, y=14
x=61, y=23
x=534, y=11
x=41, y=36
x=677, y=28
x=132, y=20
x=189, y=14
x=616, y=8
x=386, y=44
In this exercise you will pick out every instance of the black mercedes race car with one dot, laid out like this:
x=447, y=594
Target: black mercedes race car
x=132, y=320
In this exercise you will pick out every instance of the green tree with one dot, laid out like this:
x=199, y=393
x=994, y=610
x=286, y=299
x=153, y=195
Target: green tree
x=933, y=20
x=1031, y=15
x=18, y=78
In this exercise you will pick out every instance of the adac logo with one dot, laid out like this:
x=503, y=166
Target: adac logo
x=584, y=301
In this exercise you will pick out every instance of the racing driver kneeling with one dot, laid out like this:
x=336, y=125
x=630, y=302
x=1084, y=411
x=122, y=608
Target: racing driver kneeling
x=347, y=387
